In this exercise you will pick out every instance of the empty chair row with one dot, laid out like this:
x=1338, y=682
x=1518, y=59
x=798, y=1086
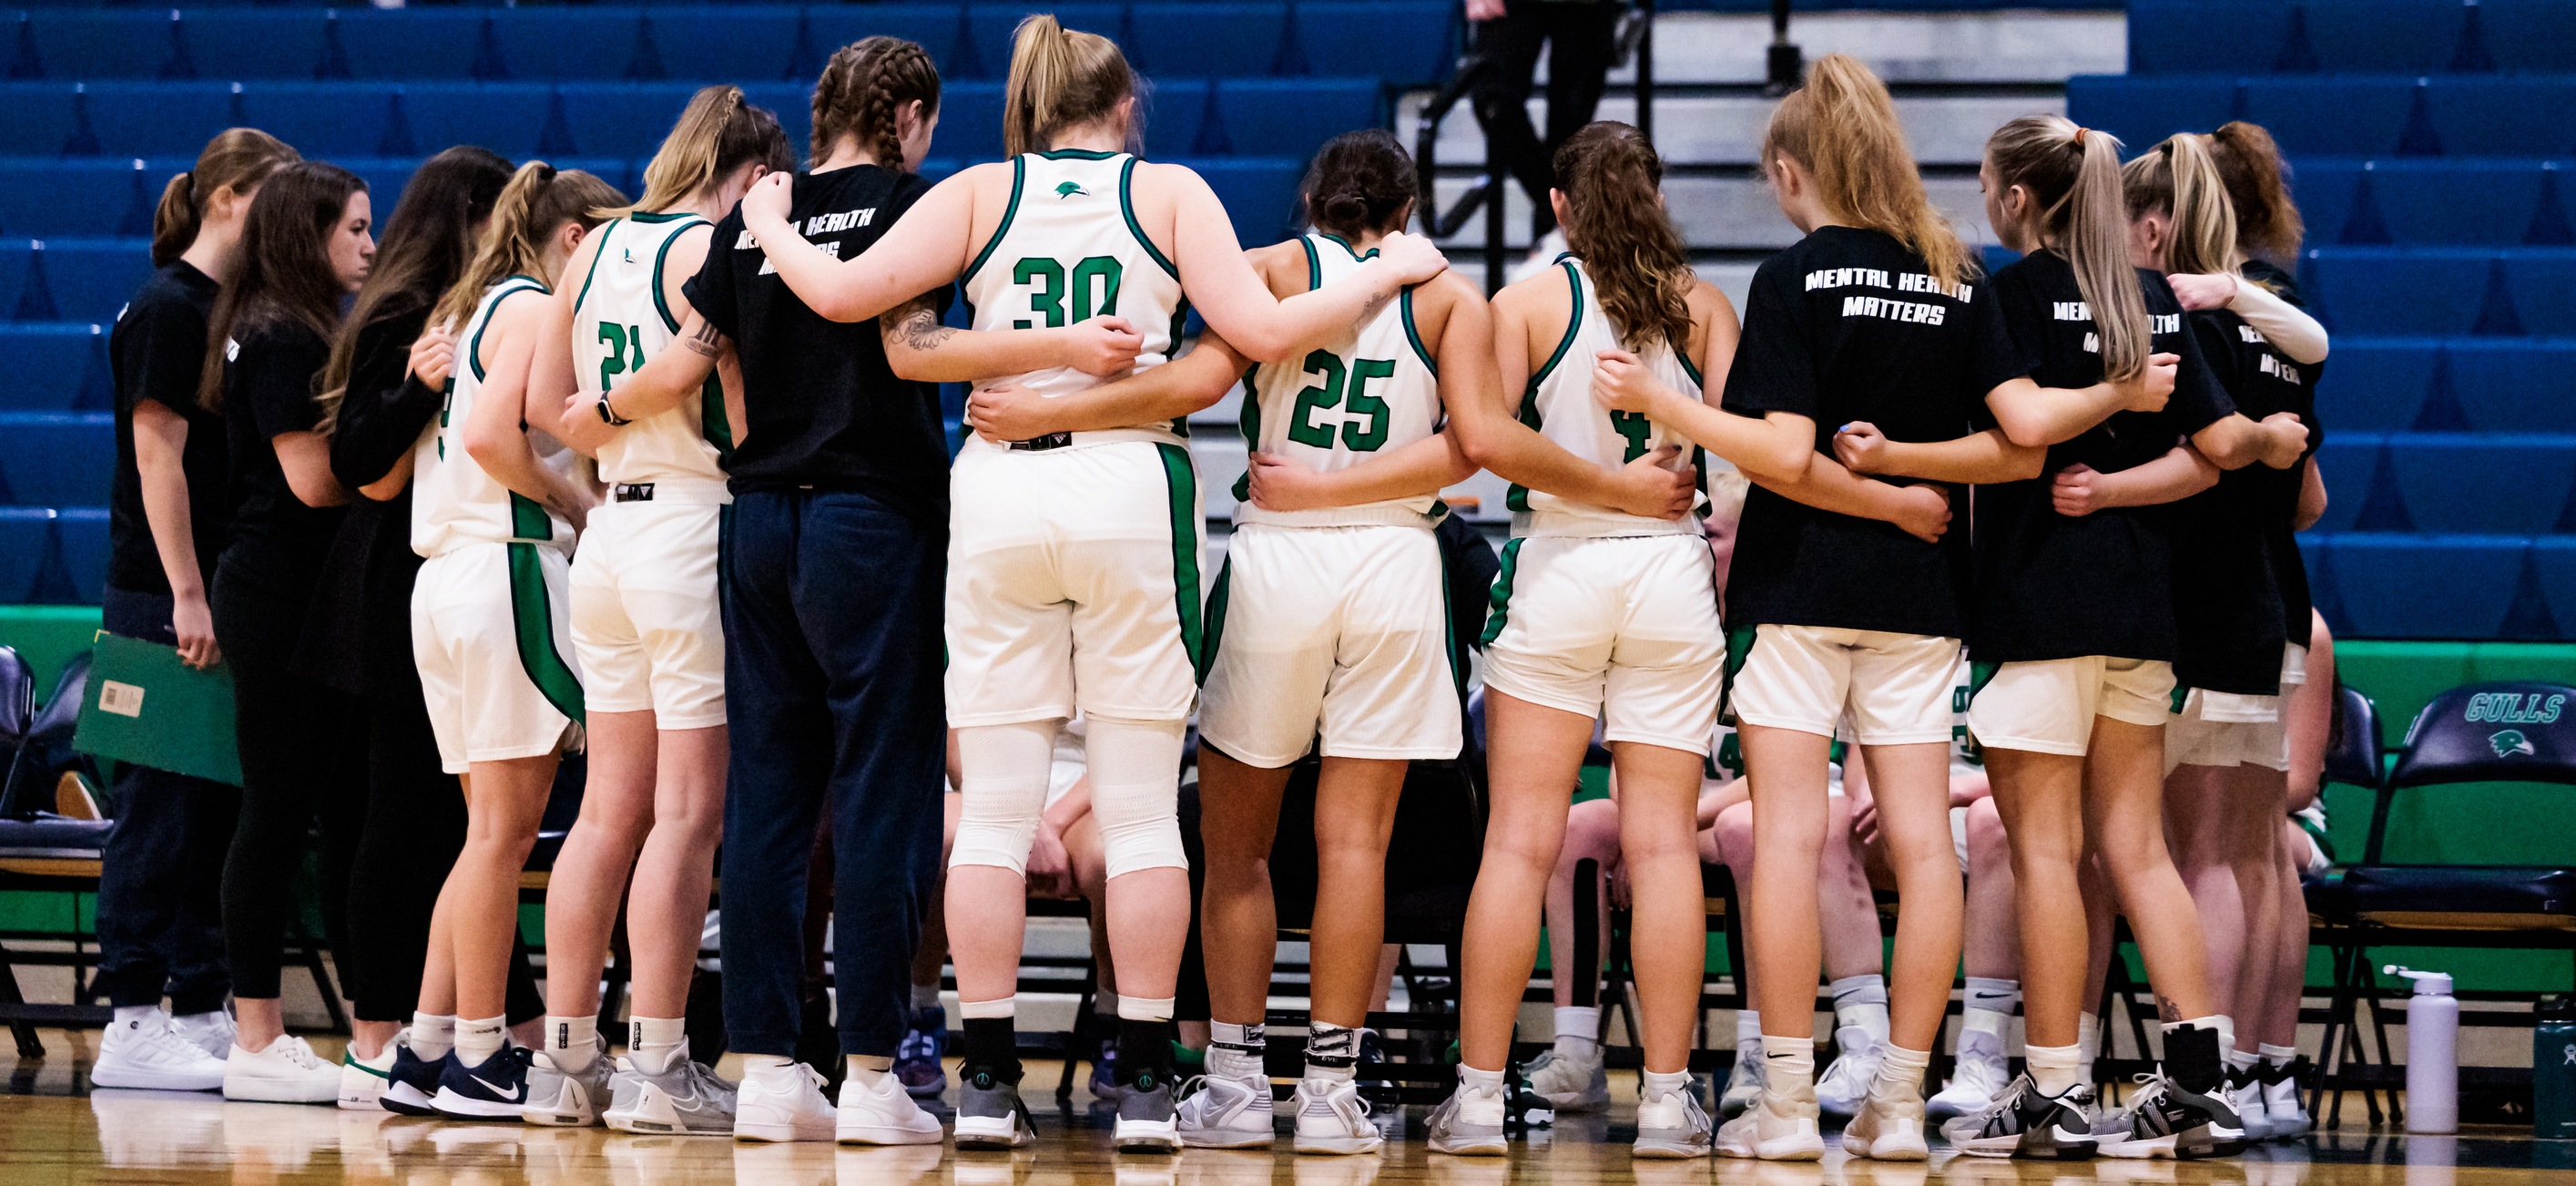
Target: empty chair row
x=52, y=557
x=1251, y=117
x=2450, y=483
x=2343, y=114
x=2397, y=585
x=2449, y=385
x=2435, y=201
x=2415, y=36
x=2442, y=291
x=1403, y=41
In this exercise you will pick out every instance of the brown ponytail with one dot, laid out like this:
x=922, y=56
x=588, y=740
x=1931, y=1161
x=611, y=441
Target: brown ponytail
x=2072, y=175
x=1841, y=127
x=1361, y=183
x=1060, y=79
x=537, y=200
x=1615, y=221
x=717, y=133
x=2267, y=221
x=863, y=87
x=2178, y=180
x=239, y=158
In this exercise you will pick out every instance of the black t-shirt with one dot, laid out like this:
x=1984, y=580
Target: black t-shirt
x=825, y=409
x=1848, y=325
x=2289, y=568
x=158, y=349
x=278, y=542
x=2053, y=587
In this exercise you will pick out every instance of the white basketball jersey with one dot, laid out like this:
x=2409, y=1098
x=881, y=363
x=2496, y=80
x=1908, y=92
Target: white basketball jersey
x=621, y=318
x=453, y=502
x=1559, y=404
x=1375, y=390
x=1069, y=249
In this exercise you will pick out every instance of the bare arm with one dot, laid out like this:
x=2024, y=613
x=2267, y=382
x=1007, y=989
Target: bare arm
x=553, y=387
x=1237, y=303
x=306, y=459
x=494, y=436
x=1776, y=446
x=2233, y=442
x=1188, y=384
x=2312, y=498
x=1921, y=511
x=1495, y=439
x=2037, y=417
x=2080, y=490
x=160, y=441
x=1426, y=466
x=919, y=348
x=667, y=378
x=923, y=250
x=384, y=488
x=1978, y=459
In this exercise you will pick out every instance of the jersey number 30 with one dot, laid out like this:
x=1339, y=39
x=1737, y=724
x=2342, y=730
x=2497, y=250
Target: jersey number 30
x=1098, y=272
x=1364, y=416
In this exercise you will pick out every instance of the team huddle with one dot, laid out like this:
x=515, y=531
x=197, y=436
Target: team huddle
x=680, y=498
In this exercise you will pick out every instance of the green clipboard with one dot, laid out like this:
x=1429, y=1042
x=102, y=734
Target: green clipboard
x=146, y=707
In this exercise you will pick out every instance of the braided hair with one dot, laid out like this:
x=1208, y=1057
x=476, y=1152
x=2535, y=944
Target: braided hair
x=863, y=87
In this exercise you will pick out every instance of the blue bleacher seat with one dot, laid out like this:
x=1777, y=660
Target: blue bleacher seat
x=2330, y=113
x=2452, y=483
x=2421, y=586
x=1291, y=117
x=2426, y=201
x=56, y=367
x=2530, y=34
x=1219, y=40
x=736, y=45
x=2499, y=115
x=2554, y=561
x=82, y=279
x=41, y=197
x=2375, y=384
x=57, y=459
x=81, y=532
x=2200, y=36
x=26, y=535
x=2143, y=110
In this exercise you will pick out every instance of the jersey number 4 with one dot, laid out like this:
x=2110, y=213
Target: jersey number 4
x=625, y=351
x=1636, y=429
x=1364, y=416
x=1099, y=273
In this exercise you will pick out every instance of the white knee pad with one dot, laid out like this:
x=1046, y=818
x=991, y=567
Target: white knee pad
x=1002, y=788
x=1135, y=769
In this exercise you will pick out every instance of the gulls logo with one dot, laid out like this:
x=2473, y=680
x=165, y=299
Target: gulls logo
x=1067, y=189
x=2509, y=743
x=630, y=255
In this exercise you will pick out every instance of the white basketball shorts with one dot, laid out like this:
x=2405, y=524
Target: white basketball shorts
x=1895, y=687
x=2047, y=706
x=488, y=624
x=1623, y=627
x=646, y=622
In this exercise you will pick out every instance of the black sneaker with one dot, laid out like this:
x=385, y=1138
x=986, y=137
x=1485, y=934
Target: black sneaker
x=2021, y=1122
x=413, y=1082
x=494, y=1090
x=2164, y=1120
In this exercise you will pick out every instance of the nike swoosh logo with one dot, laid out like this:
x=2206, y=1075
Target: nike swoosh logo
x=504, y=1092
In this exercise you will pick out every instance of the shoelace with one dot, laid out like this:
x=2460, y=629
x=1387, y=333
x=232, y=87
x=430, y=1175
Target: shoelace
x=300, y=1054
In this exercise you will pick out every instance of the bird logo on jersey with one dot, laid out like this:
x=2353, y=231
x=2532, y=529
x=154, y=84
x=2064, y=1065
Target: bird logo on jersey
x=2511, y=743
x=1067, y=189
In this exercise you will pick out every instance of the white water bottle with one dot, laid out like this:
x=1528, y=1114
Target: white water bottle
x=2432, y=1052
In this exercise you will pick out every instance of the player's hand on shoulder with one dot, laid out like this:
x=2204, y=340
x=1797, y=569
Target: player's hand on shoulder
x=1105, y=346
x=1926, y=512
x=2077, y=491
x=1621, y=383
x=1860, y=447
x=1414, y=258
x=769, y=199
x=1648, y=487
x=433, y=357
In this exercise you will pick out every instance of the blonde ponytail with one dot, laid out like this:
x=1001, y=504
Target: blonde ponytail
x=238, y=158
x=1615, y=221
x=2072, y=175
x=717, y=133
x=1060, y=79
x=537, y=200
x=1841, y=127
x=2178, y=179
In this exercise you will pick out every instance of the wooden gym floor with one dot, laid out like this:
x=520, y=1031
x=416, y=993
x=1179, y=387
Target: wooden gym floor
x=55, y=1130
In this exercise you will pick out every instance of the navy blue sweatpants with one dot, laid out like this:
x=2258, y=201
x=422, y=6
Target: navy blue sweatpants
x=832, y=694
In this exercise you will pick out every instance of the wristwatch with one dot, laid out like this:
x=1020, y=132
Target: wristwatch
x=609, y=414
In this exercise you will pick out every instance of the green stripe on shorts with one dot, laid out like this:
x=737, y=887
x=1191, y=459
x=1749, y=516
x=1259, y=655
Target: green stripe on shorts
x=1501, y=597
x=532, y=614
x=1216, y=618
x=1184, y=485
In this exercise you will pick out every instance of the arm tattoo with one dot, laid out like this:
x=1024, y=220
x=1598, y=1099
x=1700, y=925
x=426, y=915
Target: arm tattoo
x=921, y=330
x=708, y=341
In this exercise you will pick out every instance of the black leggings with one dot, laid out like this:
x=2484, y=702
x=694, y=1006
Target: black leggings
x=415, y=827
x=299, y=762
x=1580, y=38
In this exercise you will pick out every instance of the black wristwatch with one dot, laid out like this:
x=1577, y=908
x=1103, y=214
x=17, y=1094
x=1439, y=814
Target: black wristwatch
x=609, y=414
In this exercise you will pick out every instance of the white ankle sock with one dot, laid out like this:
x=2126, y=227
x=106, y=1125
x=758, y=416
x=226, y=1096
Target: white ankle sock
x=479, y=1038
x=1992, y=992
x=1900, y=1067
x=1653, y=1086
x=1145, y=1008
x=657, y=1043
x=2088, y=1040
x=1748, y=1028
x=1578, y=1029
x=1234, y=1051
x=1482, y=1099
x=1005, y=1008
x=2053, y=1069
x=1332, y=1052
x=778, y=1069
x=1787, y=1062
x=2241, y=1061
x=1861, y=1001
x=433, y=1035
x=866, y=1069
x=572, y=1042
x=2279, y=1056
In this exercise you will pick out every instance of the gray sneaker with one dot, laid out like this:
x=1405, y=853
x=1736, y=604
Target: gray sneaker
x=1672, y=1126
x=566, y=1099
x=1469, y=1127
x=990, y=1114
x=686, y=1100
x=1146, y=1123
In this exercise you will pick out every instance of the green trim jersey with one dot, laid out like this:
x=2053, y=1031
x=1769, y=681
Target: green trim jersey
x=1069, y=249
x=1558, y=403
x=622, y=316
x=453, y=501
x=1343, y=403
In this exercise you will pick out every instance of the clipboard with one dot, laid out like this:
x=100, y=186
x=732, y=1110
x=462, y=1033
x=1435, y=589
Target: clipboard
x=146, y=707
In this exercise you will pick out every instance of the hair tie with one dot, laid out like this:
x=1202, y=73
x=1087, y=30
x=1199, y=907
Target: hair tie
x=2079, y=135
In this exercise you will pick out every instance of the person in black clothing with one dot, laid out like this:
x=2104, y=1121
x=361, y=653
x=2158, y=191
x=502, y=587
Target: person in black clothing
x=1582, y=41
x=305, y=246
x=161, y=869
x=358, y=640
x=2240, y=598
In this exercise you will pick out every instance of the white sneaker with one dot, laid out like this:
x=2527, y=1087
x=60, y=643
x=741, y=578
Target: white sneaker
x=150, y=1052
x=783, y=1104
x=1332, y=1118
x=288, y=1072
x=1889, y=1127
x=1980, y=1077
x=1781, y=1126
x=1840, y=1090
x=1469, y=1123
x=212, y=1032
x=883, y=1115
x=1571, y=1082
x=2244, y=1092
x=1671, y=1126
x=1743, y=1084
x=2281, y=1104
x=1221, y=1112
x=363, y=1080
